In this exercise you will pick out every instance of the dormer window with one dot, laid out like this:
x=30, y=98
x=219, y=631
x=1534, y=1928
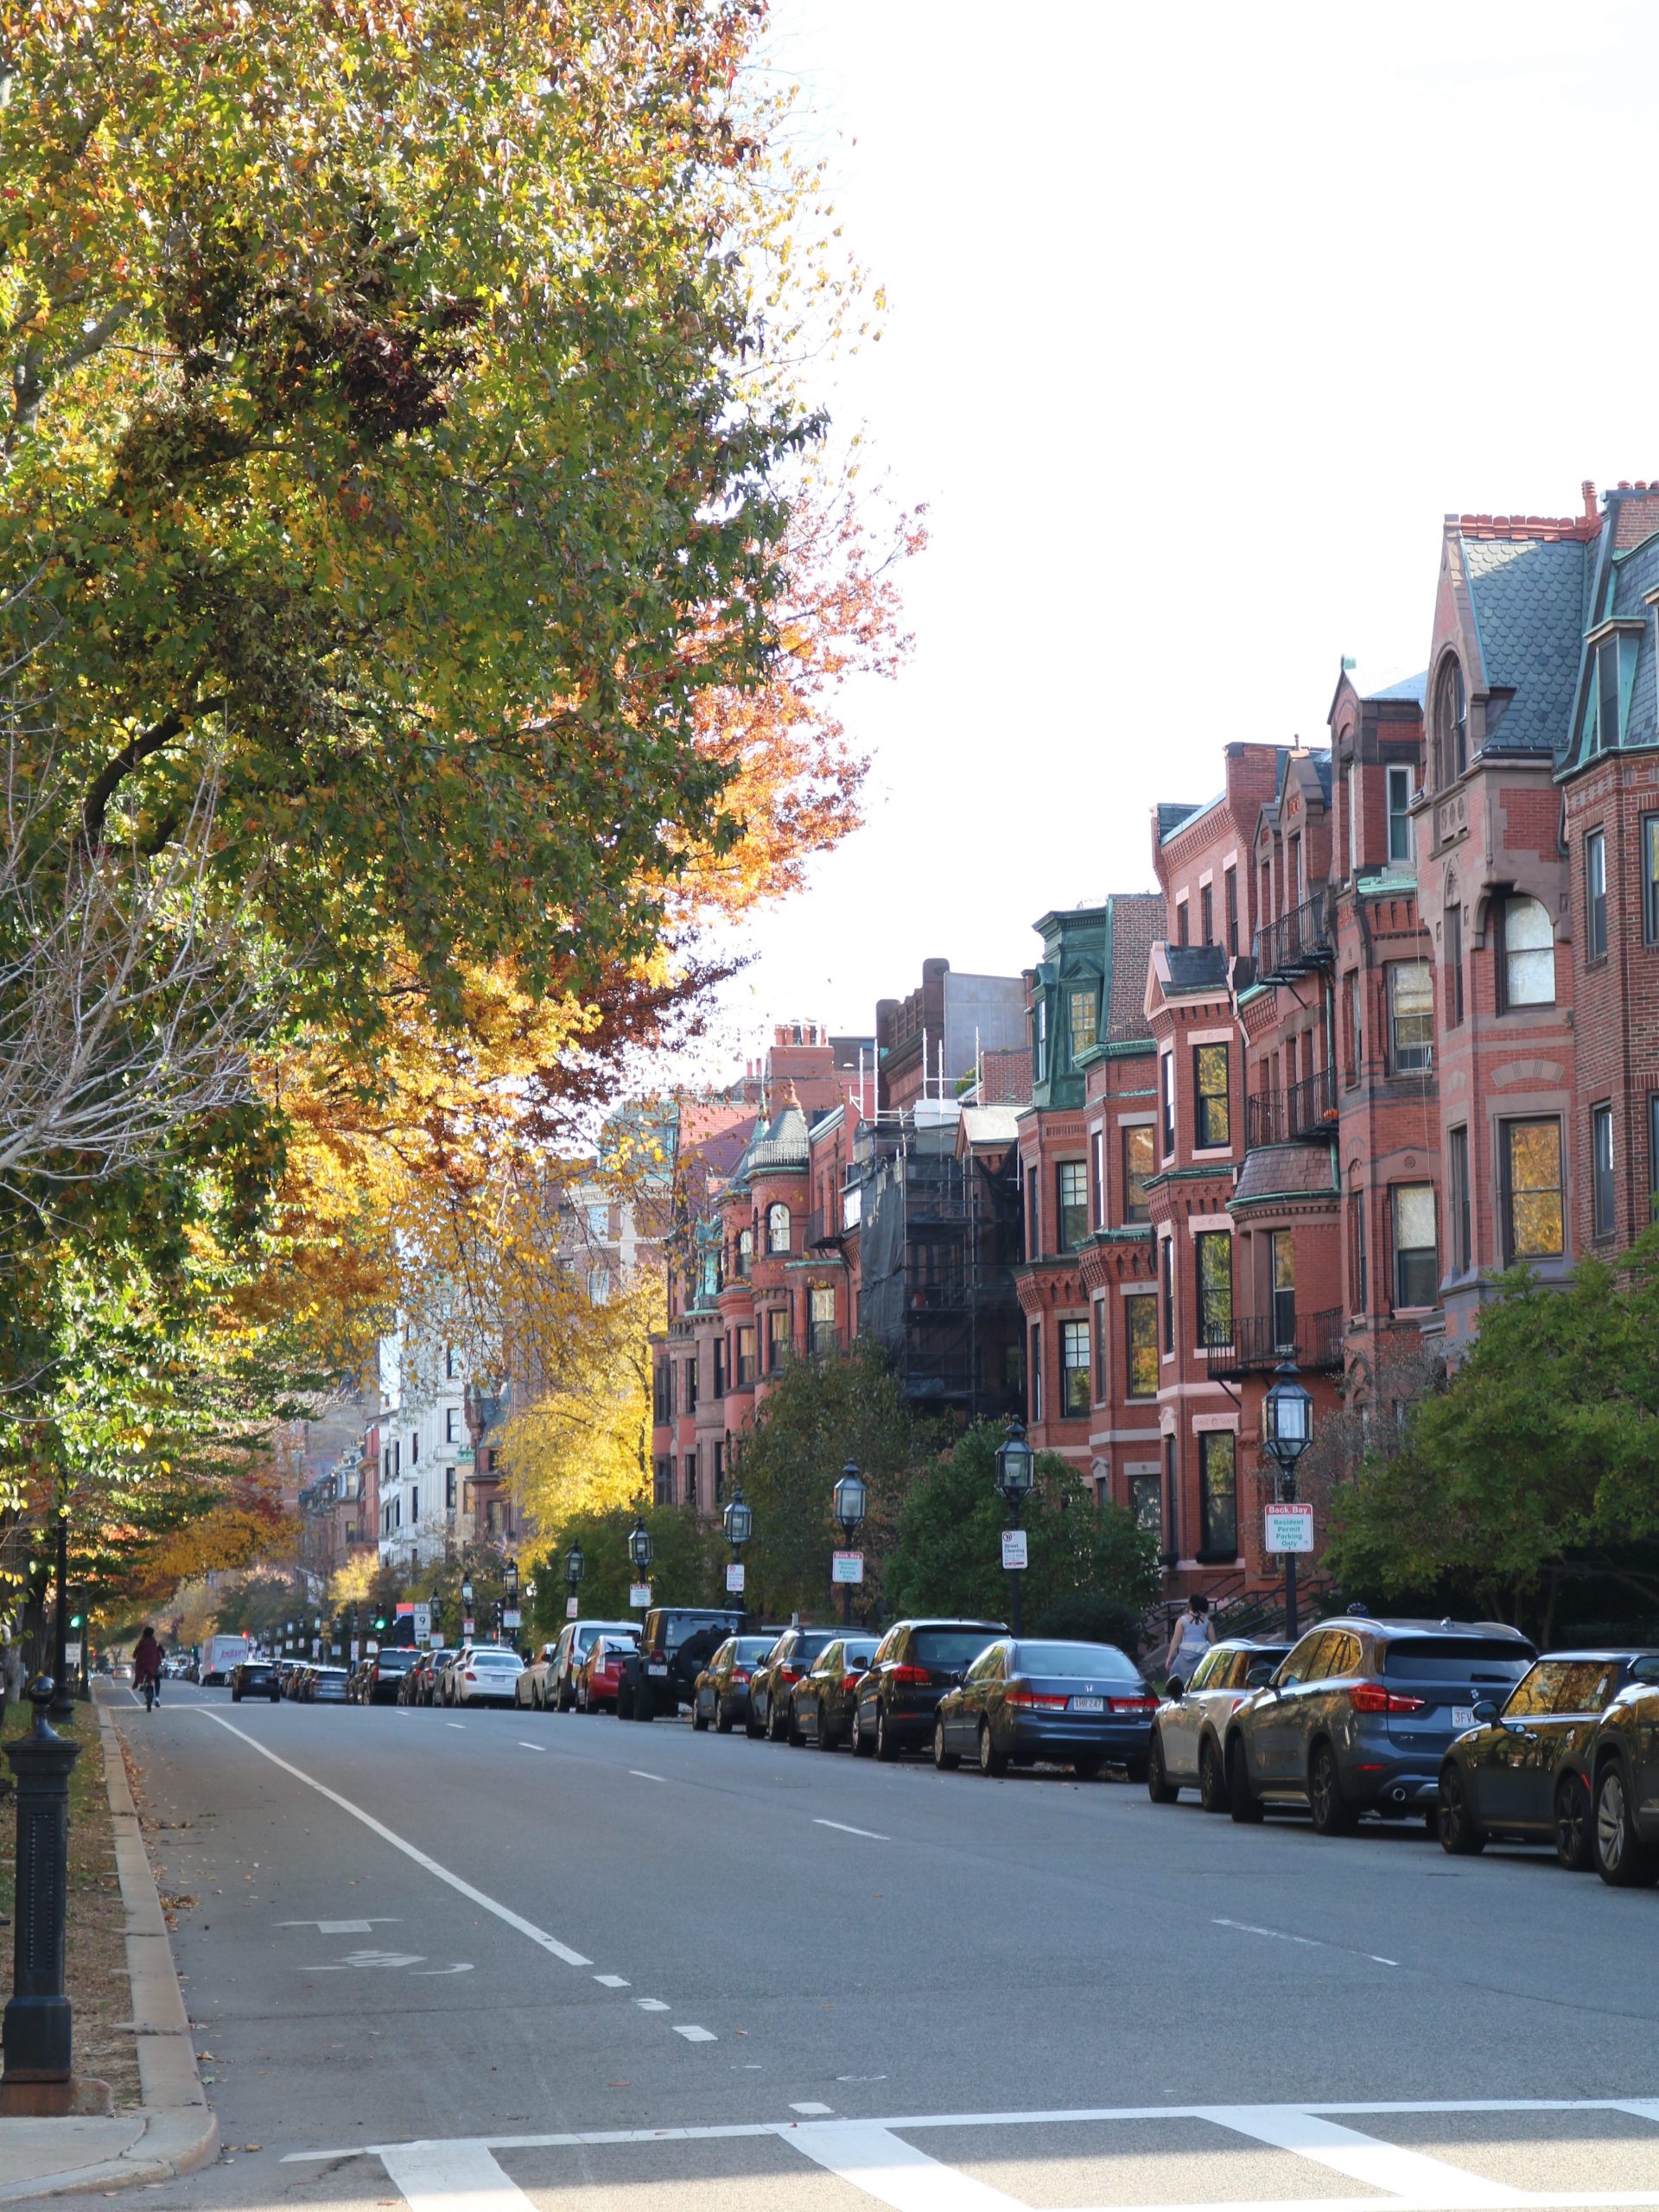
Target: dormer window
x=1451, y=723
x=1085, y=1022
x=1609, y=675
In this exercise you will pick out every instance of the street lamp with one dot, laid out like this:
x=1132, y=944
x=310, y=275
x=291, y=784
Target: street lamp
x=467, y=1604
x=507, y=1612
x=1014, y=1463
x=851, y=1498
x=640, y=1547
x=1286, y=1431
x=739, y=1522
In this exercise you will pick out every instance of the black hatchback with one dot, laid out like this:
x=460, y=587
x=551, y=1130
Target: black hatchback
x=255, y=1678
x=915, y=1663
x=1524, y=1770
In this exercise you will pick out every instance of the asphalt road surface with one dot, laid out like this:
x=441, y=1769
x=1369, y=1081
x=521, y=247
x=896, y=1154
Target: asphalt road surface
x=478, y=1962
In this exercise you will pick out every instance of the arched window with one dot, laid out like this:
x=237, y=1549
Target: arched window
x=1529, y=955
x=777, y=1229
x=1451, y=723
x=745, y=1253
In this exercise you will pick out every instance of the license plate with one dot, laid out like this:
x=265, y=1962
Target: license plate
x=663, y=1669
x=1088, y=1705
x=1463, y=1716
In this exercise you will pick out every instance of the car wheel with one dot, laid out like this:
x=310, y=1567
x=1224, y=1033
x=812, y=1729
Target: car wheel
x=752, y=1728
x=1212, y=1782
x=991, y=1761
x=945, y=1761
x=1159, y=1787
x=862, y=1746
x=723, y=1722
x=1460, y=1833
x=236, y=1697
x=793, y=1732
x=1242, y=1802
x=1326, y=1800
x=886, y=1749
x=824, y=1735
x=699, y=1719
x=1575, y=1844
x=1623, y=1860
x=774, y=1723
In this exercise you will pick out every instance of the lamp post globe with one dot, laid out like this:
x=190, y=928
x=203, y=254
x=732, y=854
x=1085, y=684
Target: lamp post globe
x=1286, y=1431
x=574, y=1563
x=640, y=1546
x=466, y=1592
x=510, y=1582
x=1015, y=1472
x=739, y=1519
x=851, y=1501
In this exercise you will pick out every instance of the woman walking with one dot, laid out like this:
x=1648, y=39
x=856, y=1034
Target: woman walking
x=1194, y=1634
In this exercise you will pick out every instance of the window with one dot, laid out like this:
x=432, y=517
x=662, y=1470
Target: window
x=689, y=1466
x=1400, y=845
x=1217, y=1495
x=1451, y=723
x=413, y=1447
x=1206, y=913
x=1458, y=1190
x=1212, y=1120
x=720, y=1469
x=449, y=1363
x=1215, y=1264
x=1356, y=1245
x=1530, y=1163
x=1172, y=1516
x=1101, y=1371
x=662, y=1484
x=1085, y=1022
x=1035, y=1376
x=1650, y=878
x=1073, y=1190
x=777, y=1337
x=1282, y=1255
x=720, y=1366
x=599, y=1286
x=1411, y=1017
x=777, y=1229
x=1595, y=898
x=1527, y=960
x=1041, y=1039
x=1601, y=1168
x=824, y=1321
x=1166, y=1083
x=1609, y=716
x=745, y=1253
x=599, y=1222
x=1146, y=1505
x=662, y=1392
x=1349, y=793
x=1074, y=1367
x=1097, y=1155
x=1454, y=967
x=449, y=1490
x=1138, y=1166
x=1167, y=1279
x=1181, y=921
x=1229, y=895
x=690, y=1405
x=1416, y=1260
x=1353, y=1011
x=746, y=1349
x=1140, y=1342
x=1653, y=1153
x=1033, y=1213
x=451, y=1415
x=414, y=1504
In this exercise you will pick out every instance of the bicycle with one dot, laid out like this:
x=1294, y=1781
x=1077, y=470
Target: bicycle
x=150, y=1692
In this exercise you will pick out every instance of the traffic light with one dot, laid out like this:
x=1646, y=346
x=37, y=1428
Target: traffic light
x=75, y=1620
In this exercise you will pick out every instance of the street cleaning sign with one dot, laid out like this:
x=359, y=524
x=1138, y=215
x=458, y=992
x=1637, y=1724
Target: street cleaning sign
x=1013, y=1547
x=1288, y=1529
x=846, y=1567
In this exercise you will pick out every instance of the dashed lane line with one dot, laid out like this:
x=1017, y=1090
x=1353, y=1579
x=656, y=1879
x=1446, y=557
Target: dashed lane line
x=1308, y=1942
x=846, y=1830
x=697, y=2035
x=611, y=1982
x=639, y=1775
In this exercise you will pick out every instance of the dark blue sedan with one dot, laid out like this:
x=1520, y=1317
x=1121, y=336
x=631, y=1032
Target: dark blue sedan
x=1076, y=1705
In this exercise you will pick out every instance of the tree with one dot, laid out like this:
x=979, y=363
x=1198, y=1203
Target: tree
x=1529, y=1480
x=948, y=1554
x=686, y=1566
x=584, y=1442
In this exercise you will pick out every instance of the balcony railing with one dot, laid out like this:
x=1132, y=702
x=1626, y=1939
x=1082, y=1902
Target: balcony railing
x=1307, y=1109
x=1255, y=1342
x=1296, y=941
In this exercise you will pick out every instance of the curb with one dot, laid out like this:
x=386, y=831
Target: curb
x=174, y=2130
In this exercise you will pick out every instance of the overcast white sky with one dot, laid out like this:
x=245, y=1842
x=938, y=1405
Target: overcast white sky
x=1199, y=319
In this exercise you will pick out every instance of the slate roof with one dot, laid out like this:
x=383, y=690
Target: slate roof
x=1195, y=968
x=1528, y=598
x=1410, y=687
x=1137, y=925
x=1272, y=1171
x=782, y=1142
x=1173, y=812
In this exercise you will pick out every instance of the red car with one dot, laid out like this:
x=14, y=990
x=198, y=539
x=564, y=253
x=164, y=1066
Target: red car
x=601, y=1678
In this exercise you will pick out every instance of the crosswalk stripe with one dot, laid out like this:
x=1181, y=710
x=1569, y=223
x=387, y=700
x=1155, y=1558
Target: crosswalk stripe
x=893, y=2173
x=1362, y=2158
x=457, y=2176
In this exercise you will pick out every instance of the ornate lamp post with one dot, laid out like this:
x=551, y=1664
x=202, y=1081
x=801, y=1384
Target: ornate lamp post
x=35, y=2037
x=574, y=1563
x=852, y=1498
x=467, y=1622
x=1286, y=1431
x=640, y=1547
x=507, y=1612
x=738, y=1520
x=1014, y=1463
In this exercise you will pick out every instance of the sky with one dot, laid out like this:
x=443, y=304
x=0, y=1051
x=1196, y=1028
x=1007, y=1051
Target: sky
x=1198, y=320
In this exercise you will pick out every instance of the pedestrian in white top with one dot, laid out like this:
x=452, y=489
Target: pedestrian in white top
x=1194, y=1634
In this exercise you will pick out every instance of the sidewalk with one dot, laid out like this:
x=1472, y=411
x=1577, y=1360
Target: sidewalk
x=173, y=2131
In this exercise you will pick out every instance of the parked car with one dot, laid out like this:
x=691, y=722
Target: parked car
x=530, y=1689
x=424, y=1683
x=384, y=1671
x=324, y=1686
x=1624, y=1770
x=124, y=1670
x=1026, y=1698
x=293, y=1678
x=1359, y=1716
x=721, y=1694
x=771, y=1686
x=255, y=1678
x=675, y=1642
x=1522, y=1771
x=915, y=1663
x=1190, y=1726
x=577, y=1640
x=599, y=1683
x=483, y=1674
x=821, y=1704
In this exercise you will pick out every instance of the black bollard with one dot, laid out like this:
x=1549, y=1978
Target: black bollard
x=35, y=2039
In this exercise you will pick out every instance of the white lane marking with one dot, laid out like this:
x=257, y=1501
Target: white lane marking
x=343, y=1927
x=1310, y=1943
x=538, y=1936
x=639, y=1775
x=1376, y=2165
x=845, y=1830
x=460, y=2177
x=697, y=2035
x=651, y=2004
x=611, y=1982
x=894, y=2173
x=1071, y=2115
x=454, y=1724
x=813, y=2112
x=524, y=1746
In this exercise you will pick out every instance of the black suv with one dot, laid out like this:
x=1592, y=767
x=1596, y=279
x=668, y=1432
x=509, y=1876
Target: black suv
x=915, y=1663
x=255, y=1678
x=676, y=1645
x=1623, y=1767
x=382, y=1671
x=1359, y=1715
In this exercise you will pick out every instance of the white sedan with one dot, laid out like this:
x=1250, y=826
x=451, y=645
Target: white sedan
x=532, y=1685
x=484, y=1673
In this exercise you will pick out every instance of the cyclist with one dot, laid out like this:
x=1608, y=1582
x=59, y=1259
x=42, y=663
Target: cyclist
x=147, y=1666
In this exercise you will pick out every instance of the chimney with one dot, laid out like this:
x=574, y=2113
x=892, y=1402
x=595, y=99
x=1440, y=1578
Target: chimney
x=1588, y=489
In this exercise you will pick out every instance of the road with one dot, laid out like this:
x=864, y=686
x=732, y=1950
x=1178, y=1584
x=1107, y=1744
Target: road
x=428, y=1953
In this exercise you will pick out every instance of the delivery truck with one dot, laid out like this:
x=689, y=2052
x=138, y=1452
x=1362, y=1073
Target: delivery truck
x=223, y=1653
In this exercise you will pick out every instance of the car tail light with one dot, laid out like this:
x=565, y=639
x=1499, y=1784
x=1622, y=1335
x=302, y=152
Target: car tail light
x=1132, y=1705
x=740, y=1674
x=851, y=1681
x=1372, y=1697
x=471, y=1676
x=1035, y=1701
x=916, y=1678
x=788, y=1674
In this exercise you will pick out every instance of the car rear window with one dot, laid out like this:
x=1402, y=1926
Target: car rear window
x=951, y=1647
x=754, y=1647
x=496, y=1659
x=858, y=1655
x=1076, y=1659
x=1455, y=1659
x=398, y=1655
